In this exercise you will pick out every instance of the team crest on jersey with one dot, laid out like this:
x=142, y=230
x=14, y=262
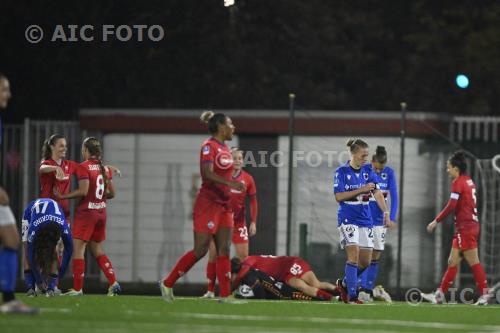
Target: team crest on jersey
x=383, y=175
x=365, y=175
x=206, y=150
x=210, y=225
x=470, y=182
x=66, y=168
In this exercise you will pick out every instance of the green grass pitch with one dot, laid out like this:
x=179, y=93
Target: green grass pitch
x=101, y=314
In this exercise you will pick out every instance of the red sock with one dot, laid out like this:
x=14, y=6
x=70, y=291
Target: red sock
x=211, y=275
x=448, y=278
x=78, y=273
x=480, y=277
x=223, y=269
x=324, y=295
x=59, y=259
x=181, y=267
x=106, y=268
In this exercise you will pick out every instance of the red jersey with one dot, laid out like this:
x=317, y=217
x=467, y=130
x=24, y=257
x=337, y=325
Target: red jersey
x=238, y=197
x=218, y=154
x=277, y=267
x=48, y=182
x=96, y=198
x=463, y=200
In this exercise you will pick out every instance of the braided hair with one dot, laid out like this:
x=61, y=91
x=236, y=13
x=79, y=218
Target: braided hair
x=94, y=147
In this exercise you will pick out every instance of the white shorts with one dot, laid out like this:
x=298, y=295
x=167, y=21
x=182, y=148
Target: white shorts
x=351, y=234
x=24, y=230
x=6, y=216
x=379, y=233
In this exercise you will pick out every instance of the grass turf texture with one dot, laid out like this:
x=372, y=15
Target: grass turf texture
x=99, y=314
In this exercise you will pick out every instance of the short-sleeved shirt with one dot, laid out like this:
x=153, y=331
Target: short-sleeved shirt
x=219, y=155
x=355, y=210
x=387, y=183
x=96, y=198
x=37, y=215
x=238, y=197
x=48, y=182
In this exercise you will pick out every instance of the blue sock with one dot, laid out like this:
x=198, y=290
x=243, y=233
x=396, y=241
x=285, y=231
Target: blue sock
x=371, y=275
x=351, y=279
x=363, y=278
x=29, y=279
x=8, y=262
x=52, y=282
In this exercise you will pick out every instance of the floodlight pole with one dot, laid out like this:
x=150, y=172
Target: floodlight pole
x=401, y=194
x=291, y=133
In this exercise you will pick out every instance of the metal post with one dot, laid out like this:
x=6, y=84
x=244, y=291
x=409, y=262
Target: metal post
x=291, y=133
x=401, y=195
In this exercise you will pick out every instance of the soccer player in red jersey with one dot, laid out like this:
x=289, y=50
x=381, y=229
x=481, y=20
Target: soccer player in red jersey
x=463, y=203
x=94, y=187
x=293, y=271
x=240, y=232
x=55, y=171
x=212, y=214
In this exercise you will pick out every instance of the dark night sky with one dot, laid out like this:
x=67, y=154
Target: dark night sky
x=344, y=55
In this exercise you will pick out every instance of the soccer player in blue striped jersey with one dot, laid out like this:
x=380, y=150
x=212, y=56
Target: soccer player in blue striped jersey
x=43, y=225
x=354, y=184
x=388, y=186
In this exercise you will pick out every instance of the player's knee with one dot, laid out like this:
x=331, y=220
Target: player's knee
x=200, y=251
x=224, y=250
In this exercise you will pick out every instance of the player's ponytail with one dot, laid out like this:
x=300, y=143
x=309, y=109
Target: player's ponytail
x=355, y=144
x=94, y=147
x=459, y=161
x=43, y=247
x=213, y=120
x=47, y=145
x=380, y=155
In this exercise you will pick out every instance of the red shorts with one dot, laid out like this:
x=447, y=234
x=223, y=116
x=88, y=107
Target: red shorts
x=90, y=225
x=298, y=268
x=466, y=240
x=240, y=234
x=208, y=216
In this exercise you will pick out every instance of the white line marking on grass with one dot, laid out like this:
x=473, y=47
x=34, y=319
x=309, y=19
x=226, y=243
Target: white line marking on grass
x=353, y=321
x=60, y=310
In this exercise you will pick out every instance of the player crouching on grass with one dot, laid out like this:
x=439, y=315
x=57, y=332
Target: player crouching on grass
x=293, y=271
x=43, y=225
x=463, y=203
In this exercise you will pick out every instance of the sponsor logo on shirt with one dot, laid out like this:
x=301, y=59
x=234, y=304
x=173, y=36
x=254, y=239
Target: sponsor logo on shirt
x=97, y=205
x=206, y=150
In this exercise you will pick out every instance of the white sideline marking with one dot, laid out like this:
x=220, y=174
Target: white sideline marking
x=366, y=322
x=60, y=310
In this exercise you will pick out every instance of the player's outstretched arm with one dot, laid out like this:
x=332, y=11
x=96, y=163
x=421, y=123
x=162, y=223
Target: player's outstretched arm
x=81, y=191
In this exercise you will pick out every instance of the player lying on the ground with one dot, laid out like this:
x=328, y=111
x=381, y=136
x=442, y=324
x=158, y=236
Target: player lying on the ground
x=43, y=225
x=293, y=271
x=256, y=284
